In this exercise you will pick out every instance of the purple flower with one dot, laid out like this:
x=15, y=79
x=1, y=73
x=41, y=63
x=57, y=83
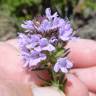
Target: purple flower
x=28, y=41
x=65, y=31
x=45, y=33
x=28, y=25
x=45, y=26
x=27, y=45
x=43, y=42
x=50, y=23
x=33, y=59
x=36, y=58
x=22, y=40
x=48, y=14
x=56, y=23
x=31, y=48
x=44, y=45
x=63, y=64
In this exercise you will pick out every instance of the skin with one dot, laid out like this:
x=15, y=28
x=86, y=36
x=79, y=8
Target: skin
x=81, y=79
x=9, y=88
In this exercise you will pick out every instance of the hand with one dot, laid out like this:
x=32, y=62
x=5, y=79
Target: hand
x=9, y=88
x=83, y=54
x=11, y=66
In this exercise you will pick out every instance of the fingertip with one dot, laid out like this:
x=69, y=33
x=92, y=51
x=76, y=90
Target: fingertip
x=87, y=76
x=76, y=88
x=92, y=94
x=82, y=52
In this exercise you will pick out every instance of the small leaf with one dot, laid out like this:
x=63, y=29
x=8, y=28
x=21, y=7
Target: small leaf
x=60, y=53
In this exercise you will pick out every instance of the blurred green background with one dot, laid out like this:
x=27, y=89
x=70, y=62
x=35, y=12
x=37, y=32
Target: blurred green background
x=82, y=14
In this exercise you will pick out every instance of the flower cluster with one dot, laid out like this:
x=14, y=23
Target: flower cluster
x=43, y=42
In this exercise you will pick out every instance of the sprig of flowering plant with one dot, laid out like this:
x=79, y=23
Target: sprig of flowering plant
x=42, y=45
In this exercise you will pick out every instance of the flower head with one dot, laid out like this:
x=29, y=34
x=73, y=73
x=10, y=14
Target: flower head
x=65, y=31
x=43, y=37
x=43, y=45
x=32, y=59
x=63, y=64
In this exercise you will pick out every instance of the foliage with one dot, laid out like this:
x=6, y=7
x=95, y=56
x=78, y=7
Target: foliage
x=12, y=4
x=27, y=9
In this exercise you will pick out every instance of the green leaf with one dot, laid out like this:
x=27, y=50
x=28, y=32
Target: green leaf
x=59, y=53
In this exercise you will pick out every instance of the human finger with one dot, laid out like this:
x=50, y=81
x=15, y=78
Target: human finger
x=75, y=87
x=92, y=94
x=8, y=88
x=82, y=52
x=87, y=76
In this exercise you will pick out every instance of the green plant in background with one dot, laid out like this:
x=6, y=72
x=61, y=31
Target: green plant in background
x=27, y=9
x=91, y=4
x=11, y=5
x=21, y=8
x=18, y=8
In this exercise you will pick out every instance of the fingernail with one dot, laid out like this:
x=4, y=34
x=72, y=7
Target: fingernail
x=69, y=83
x=69, y=80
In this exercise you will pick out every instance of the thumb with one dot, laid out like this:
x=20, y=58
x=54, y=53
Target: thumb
x=11, y=67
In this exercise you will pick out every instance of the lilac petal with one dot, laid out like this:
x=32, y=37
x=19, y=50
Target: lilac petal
x=54, y=15
x=43, y=56
x=62, y=22
x=45, y=26
x=56, y=20
x=69, y=64
x=25, y=53
x=27, y=25
x=64, y=38
x=48, y=12
x=35, y=38
x=24, y=50
x=30, y=46
x=23, y=39
x=34, y=54
x=34, y=62
x=49, y=47
x=64, y=70
x=56, y=67
x=39, y=49
x=67, y=27
x=66, y=35
x=55, y=23
x=62, y=64
x=43, y=42
x=69, y=32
